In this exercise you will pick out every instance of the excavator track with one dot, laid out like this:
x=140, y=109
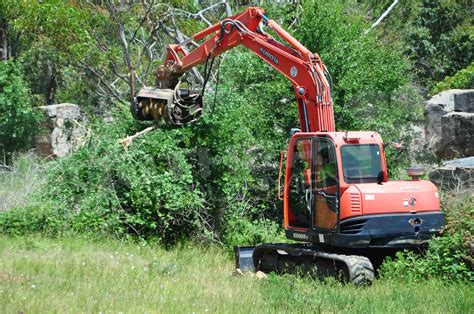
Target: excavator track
x=314, y=261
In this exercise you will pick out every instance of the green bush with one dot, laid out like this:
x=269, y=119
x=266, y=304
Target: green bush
x=17, y=118
x=438, y=35
x=38, y=218
x=449, y=256
x=147, y=190
x=463, y=79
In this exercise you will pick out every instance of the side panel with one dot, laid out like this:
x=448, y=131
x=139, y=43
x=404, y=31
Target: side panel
x=399, y=197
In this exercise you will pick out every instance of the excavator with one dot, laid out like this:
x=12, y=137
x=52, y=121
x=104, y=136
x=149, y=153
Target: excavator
x=340, y=209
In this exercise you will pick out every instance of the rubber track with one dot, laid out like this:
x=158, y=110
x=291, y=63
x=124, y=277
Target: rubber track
x=359, y=269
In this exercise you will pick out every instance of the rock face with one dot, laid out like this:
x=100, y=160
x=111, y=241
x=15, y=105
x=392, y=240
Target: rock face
x=63, y=130
x=449, y=123
x=457, y=175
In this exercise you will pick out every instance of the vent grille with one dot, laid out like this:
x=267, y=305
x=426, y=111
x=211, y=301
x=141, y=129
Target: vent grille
x=355, y=203
x=353, y=226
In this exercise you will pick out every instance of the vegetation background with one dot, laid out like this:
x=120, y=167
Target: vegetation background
x=212, y=183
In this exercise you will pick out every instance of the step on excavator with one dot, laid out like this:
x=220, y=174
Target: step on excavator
x=340, y=209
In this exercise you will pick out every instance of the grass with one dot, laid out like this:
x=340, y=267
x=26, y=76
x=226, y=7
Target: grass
x=19, y=181
x=74, y=275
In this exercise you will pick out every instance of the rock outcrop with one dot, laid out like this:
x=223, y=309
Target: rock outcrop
x=457, y=175
x=449, y=123
x=63, y=130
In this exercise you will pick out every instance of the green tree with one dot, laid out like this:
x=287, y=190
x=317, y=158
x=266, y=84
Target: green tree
x=17, y=118
x=438, y=35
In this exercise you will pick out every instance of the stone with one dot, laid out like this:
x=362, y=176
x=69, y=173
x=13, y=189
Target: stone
x=63, y=130
x=260, y=275
x=455, y=175
x=464, y=100
x=457, y=135
x=449, y=124
x=238, y=272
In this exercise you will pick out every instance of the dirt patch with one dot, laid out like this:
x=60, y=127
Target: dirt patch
x=11, y=278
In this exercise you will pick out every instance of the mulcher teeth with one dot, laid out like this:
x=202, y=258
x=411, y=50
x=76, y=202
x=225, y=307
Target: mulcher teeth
x=174, y=106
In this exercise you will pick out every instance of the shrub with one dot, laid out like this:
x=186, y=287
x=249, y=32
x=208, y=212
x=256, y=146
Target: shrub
x=147, y=190
x=34, y=218
x=449, y=256
x=463, y=79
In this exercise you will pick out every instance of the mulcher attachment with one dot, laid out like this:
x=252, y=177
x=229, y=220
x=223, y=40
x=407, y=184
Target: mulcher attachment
x=311, y=260
x=174, y=106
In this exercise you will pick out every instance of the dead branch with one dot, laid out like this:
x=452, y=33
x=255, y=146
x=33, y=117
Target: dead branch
x=382, y=16
x=127, y=141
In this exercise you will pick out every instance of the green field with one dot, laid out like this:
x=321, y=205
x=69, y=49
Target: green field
x=40, y=275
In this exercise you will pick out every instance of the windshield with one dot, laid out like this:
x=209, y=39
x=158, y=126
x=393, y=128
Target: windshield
x=361, y=163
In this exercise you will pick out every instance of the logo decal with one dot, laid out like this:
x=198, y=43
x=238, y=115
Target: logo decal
x=269, y=55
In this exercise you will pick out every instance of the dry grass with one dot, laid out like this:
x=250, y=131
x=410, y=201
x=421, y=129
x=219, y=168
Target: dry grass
x=19, y=181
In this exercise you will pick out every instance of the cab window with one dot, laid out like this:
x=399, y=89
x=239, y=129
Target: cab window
x=361, y=163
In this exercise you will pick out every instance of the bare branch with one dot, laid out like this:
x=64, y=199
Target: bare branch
x=127, y=141
x=390, y=8
x=150, y=7
x=199, y=15
x=101, y=80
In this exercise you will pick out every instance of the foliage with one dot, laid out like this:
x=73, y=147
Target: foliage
x=463, y=79
x=438, y=35
x=17, y=118
x=34, y=218
x=110, y=48
x=449, y=256
x=44, y=37
x=147, y=191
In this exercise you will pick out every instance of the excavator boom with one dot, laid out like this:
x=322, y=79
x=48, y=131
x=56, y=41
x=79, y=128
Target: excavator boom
x=305, y=70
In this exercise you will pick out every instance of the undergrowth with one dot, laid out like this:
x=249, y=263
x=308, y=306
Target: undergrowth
x=450, y=256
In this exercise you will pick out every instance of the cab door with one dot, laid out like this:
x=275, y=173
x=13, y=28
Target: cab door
x=311, y=185
x=326, y=185
x=299, y=184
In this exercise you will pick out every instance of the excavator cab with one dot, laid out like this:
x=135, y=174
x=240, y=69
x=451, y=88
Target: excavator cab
x=337, y=193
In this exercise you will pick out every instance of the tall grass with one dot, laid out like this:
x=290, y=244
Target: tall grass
x=19, y=181
x=72, y=275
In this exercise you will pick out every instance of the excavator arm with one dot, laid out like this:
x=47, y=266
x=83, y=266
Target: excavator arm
x=305, y=70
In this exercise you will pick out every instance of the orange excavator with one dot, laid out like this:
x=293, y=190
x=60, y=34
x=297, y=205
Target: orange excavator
x=338, y=203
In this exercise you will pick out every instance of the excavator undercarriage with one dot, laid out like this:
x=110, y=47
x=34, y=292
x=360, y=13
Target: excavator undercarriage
x=308, y=259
